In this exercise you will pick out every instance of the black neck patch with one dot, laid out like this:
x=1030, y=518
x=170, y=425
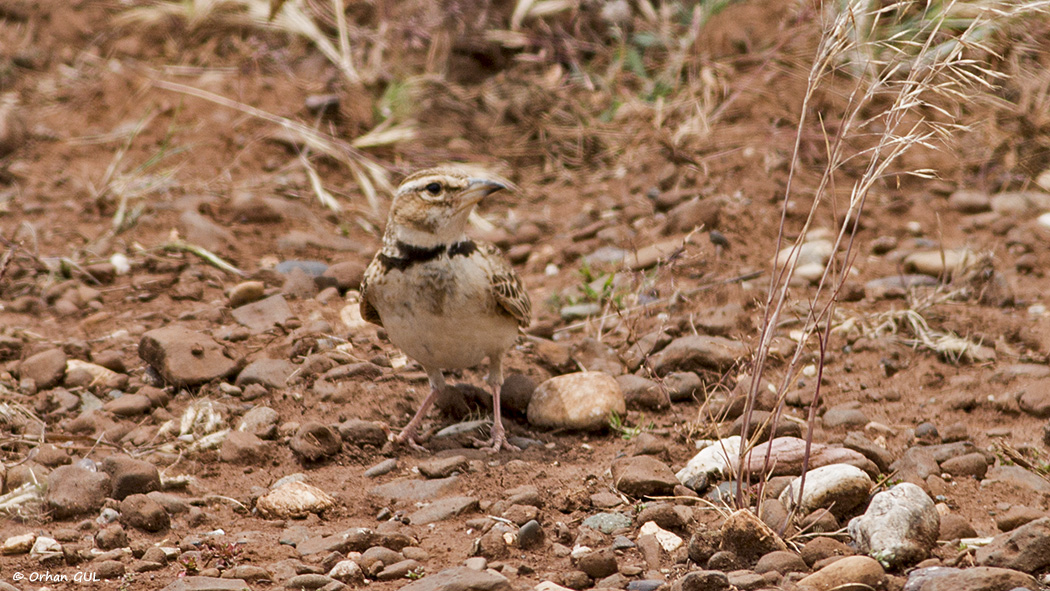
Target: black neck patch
x=410, y=254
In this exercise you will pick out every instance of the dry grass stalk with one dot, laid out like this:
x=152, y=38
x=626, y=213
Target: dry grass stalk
x=369, y=174
x=918, y=76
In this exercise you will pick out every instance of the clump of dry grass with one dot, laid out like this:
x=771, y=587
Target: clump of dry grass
x=910, y=79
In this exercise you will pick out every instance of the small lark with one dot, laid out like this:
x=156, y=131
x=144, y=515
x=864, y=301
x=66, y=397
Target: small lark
x=447, y=301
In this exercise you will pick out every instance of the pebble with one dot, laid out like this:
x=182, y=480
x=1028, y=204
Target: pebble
x=307, y=582
x=939, y=578
x=745, y=535
x=702, y=580
x=597, y=563
x=1026, y=548
x=246, y=292
x=73, y=490
x=969, y=201
x=781, y=561
x=897, y=286
x=129, y=476
x=787, y=454
x=607, y=523
x=582, y=400
x=955, y=527
x=294, y=499
x=847, y=414
x=111, y=537
x=184, y=357
x=822, y=548
x=460, y=578
x=900, y=526
x=443, y=509
x=531, y=535
x=272, y=373
x=263, y=315
x=642, y=393
x=698, y=352
x=348, y=572
x=939, y=263
x=260, y=421
x=19, y=544
x=667, y=540
x=1016, y=516
x=972, y=464
x=710, y=463
x=838, y=487
x=46, y=368
x=129, y=405
x=240, y=447
x=443, y=467
x=1035, y=398
x=109, y=569
x=314, y=441
x=384, y=467
x=641, y=476
x=851, y=570
x=413, y=490
x=144, y=513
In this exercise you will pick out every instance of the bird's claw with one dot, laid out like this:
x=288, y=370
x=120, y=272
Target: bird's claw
x=495, y=443
x=406, y=438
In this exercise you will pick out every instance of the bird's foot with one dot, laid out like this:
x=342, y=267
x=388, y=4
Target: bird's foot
x=407, y=437
x=496, y=442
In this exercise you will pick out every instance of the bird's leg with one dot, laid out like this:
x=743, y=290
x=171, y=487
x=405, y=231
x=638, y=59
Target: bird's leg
x=408, y=435
x=498, y=438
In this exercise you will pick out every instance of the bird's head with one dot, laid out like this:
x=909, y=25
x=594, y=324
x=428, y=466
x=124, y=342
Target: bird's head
x=432, y=206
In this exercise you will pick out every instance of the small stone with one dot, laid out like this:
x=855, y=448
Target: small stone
x=1016, y=516
x=111, y=537
x=973, y=464
x=144, y=513
x=385, y=467
x=443, y=509
x=46, y=368
x=315, y=441
x=260, y=421
x=838, y=487
x=413, y=490
x=642, y=393
x=641, y=476
x=851, y=570
x=129, y=405
x=184, y=357
x=899, y=527
x=969, y=201
x=955, y=527
x=744, y=534
x=702, y=580
x=443, y=467
x=263, y=315
x=781, y=561
x=348, y=572
x=294, y=499
x=530, y=535
x=272, y=373
x=607, y=522
x=582, y=400
x=347, y=275
x=460, y=578
x=109, y=569
x=361, y=433
x=246, y=292
x=72, y=491
x=20, y=544
x=1026, y=548
x=240, y=447
x=698, y=352
x=130, y=476
x=598, y=563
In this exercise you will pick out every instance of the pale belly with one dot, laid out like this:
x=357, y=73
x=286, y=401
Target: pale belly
x=445, y=317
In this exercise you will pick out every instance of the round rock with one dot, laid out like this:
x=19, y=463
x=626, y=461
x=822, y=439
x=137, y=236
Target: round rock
x=641, y=476
x=582, y=400
x=838, y=487
x=900, y=526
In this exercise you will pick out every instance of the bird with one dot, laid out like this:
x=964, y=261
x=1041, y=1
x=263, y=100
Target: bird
x=445, y=300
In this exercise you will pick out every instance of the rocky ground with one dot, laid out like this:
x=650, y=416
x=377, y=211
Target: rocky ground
x=189, y=398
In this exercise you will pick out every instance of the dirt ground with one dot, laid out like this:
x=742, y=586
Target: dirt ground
x=102, y=154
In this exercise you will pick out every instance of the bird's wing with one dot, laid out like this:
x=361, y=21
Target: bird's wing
x=372, y=273
x=507, y=287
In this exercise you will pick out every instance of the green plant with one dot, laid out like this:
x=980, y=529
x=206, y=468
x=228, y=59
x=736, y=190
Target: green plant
x=619, y=425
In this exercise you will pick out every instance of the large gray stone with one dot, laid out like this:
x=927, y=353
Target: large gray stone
x=1026, y=548
x=698, y=352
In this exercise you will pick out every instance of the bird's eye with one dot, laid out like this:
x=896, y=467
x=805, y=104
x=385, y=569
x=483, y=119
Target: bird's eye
x=433, y=188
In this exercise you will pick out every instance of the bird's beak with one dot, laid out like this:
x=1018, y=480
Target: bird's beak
x=478, y=189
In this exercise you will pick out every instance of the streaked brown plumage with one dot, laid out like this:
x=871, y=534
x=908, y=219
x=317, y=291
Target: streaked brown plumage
x=447, y=301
